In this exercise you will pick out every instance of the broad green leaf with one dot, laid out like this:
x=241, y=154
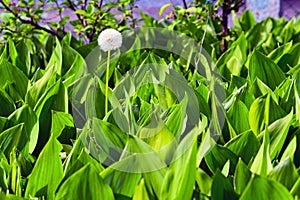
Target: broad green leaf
x=95, y=100
x=5, y=169
x=141, y=192
x=40, y=183
x=265, y=69
x=221, y=188
x=245, y=145
x=258, y=33
x=3, y=121
x=108, y=137
x=225, y=169
x=180, y=177
x=73, y=64
x=121, y=182
x=26, y=115
x=176, y=119
x=62, y=126
x=264, y=108
x=75, y=152
x=85, y=49
x=11, y=74
x=241, y=177
x=75, y=69
x=262, y=188
x=86, y=183
x=291, y=59
x=7, y=104
x=290, y=149
x=218, y=156
x=277, y=53
x=247, y=20
x=12, y=52
x=25, y=49
x=286, y=94
x=285, y=173
x=38, y=89
x=278, y=131
x=13, y=138
x=3, y=196
x=83, y=159
x=286, y=33
x=204, y=181
x=54, y=98
x=262, y=162
x=295, y=191
x=160, y=138
x=55, y=61
x=238, y=116
x=232, y=61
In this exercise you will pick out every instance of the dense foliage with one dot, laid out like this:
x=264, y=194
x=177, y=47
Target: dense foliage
x=55, y=140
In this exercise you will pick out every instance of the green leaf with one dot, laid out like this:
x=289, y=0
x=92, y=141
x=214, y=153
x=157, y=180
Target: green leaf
x=62, y=121
x=36, y=91
x=291, y=59
x=232, y=61
x=180, y=178
x=279, y=52
x=108, y=137
x=121, y=182
x=86, y=183
x=245, y=145
x=262, y=188
x=221, y=188
x=218, y=156
x=262, y=162
x=204, y=181
x=12, y=138
x=241, y=177
x=286, y=33
x=26, y=115
x=40, y=183
x=295, y=191
x=278, y=131
x=12, y=52
x=11, y=197
x=238, y=117
x=264, y=108
x=285, y=173
x=54, y=98
x=7, y=104
x=265, y=69
x=25, y=50
x=247, y=20
x=141, y=192
x=3, y=121
x=11, y=74
x=290, y=149
x=55, y=61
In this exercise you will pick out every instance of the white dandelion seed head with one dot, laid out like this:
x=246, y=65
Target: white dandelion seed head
x=110, y=39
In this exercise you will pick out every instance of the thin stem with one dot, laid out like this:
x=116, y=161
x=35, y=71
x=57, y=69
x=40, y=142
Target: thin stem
x=106, y=80
x=225, y=13
x=184, y=4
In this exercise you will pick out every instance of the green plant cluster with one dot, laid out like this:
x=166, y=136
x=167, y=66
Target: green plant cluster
x=257, y=156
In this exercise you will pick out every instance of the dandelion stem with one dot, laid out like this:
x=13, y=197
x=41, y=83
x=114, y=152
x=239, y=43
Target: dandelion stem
x=106, y=80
